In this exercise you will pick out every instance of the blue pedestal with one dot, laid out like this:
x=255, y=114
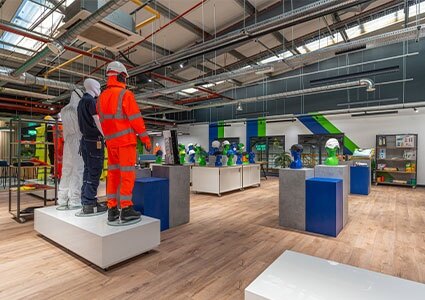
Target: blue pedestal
x=324, y=206
x=151, y=198
x=360, y=180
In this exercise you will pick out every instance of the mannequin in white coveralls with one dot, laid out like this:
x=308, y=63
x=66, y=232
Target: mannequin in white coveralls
x=69, y=194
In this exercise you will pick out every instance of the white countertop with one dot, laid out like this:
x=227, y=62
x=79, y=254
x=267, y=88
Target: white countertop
x=296, y=276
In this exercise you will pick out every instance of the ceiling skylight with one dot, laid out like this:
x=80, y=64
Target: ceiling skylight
x=189, y=90
x=384, y=21
x=27, y=16
x=283, y=55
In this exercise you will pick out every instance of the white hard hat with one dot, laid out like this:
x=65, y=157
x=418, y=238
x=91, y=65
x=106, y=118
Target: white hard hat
x=215, y=144
x=332, y=144
x=226, y=143
x=115, y=68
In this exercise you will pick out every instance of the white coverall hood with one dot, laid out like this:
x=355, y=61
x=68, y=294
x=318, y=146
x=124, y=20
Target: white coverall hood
x=73, y=166
x=92, y=87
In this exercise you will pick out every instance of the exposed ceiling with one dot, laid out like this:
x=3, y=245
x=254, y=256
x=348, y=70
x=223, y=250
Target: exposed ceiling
x=182, y=25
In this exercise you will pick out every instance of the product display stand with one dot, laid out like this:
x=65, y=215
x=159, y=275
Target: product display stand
x=217, y=180
x=250, y=175
x=143, y=173
x=93, y=239
x=22, y=172
x=323, y=208
x=360, y=180
x=295, y=276
x=337, y=172
x=292, y=197
x=397, y=159
x=179, y=191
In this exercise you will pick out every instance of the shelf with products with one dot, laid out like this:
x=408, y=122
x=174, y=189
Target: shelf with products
x=396, y=158
x=33, y=160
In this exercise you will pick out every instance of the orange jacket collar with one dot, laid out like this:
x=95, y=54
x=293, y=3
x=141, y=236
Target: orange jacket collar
x=113, y=82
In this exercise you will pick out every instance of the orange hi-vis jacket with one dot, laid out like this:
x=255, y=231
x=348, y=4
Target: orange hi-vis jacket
x=119, y=115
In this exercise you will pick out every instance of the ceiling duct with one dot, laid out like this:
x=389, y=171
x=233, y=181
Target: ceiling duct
x=116, y=32
x=203, y=81
x=30, y=80
x=368, y=83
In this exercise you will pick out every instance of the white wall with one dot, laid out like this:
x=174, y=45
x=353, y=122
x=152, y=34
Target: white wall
x=361, y=130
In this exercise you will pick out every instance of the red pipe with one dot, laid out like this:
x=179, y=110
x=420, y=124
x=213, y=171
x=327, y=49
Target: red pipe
x=5, y=99
x=27, y=109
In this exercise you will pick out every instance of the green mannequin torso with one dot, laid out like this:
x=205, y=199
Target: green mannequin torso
x=332, y=160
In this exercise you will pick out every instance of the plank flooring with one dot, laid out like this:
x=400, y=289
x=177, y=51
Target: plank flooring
x=228, y=243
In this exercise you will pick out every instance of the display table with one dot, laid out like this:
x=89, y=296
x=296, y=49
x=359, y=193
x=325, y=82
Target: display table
x=216, y=180
x=250, y=175
x=179, y=191
x=152, y=198
x=93, y=239
x=337, y=172
x=292, y=197
x=298, y=276
x=323, y=206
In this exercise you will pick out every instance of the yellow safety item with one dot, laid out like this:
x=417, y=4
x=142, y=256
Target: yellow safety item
x=42, y=152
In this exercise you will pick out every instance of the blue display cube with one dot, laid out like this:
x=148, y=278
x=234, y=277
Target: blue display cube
x=360, y=180
x=151, y=198
x=324, y=206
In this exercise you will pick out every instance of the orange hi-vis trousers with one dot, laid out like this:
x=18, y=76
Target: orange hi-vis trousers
x=121, y=175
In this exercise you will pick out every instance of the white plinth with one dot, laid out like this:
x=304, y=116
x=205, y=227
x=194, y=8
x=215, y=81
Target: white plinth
x=94, y=240
x=216, y=180
x=297, y=276
x=250, y=175
x=338, y=172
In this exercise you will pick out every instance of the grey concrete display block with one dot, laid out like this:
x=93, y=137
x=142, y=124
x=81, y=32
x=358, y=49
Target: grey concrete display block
x=179, y=179
x=337, y=172
x=143, y=173
x=292, y=197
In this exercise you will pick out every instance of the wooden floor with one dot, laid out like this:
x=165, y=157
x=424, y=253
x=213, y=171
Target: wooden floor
x=229, y=241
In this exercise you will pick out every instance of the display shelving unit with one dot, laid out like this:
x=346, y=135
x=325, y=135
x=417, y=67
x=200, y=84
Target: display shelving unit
x=396, y=159
x=20, y=174
x=266, y=150
x=314, y=147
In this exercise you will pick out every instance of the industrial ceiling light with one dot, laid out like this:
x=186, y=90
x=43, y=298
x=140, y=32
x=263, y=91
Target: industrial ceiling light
x=239, y=108
x=149, y=80
x=56, y=47
x=181, y=65
x=415, y=110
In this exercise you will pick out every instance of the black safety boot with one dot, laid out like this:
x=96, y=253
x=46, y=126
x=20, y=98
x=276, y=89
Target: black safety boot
x=128, y=214
x=113, y=214
x=91, y=209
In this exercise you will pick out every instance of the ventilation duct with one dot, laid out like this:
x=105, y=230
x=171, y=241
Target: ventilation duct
x=116, y=32
x=367, y=83
x=30, y=80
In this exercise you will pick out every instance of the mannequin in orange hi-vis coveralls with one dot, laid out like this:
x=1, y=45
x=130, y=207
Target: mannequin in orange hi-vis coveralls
x=121, y=124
